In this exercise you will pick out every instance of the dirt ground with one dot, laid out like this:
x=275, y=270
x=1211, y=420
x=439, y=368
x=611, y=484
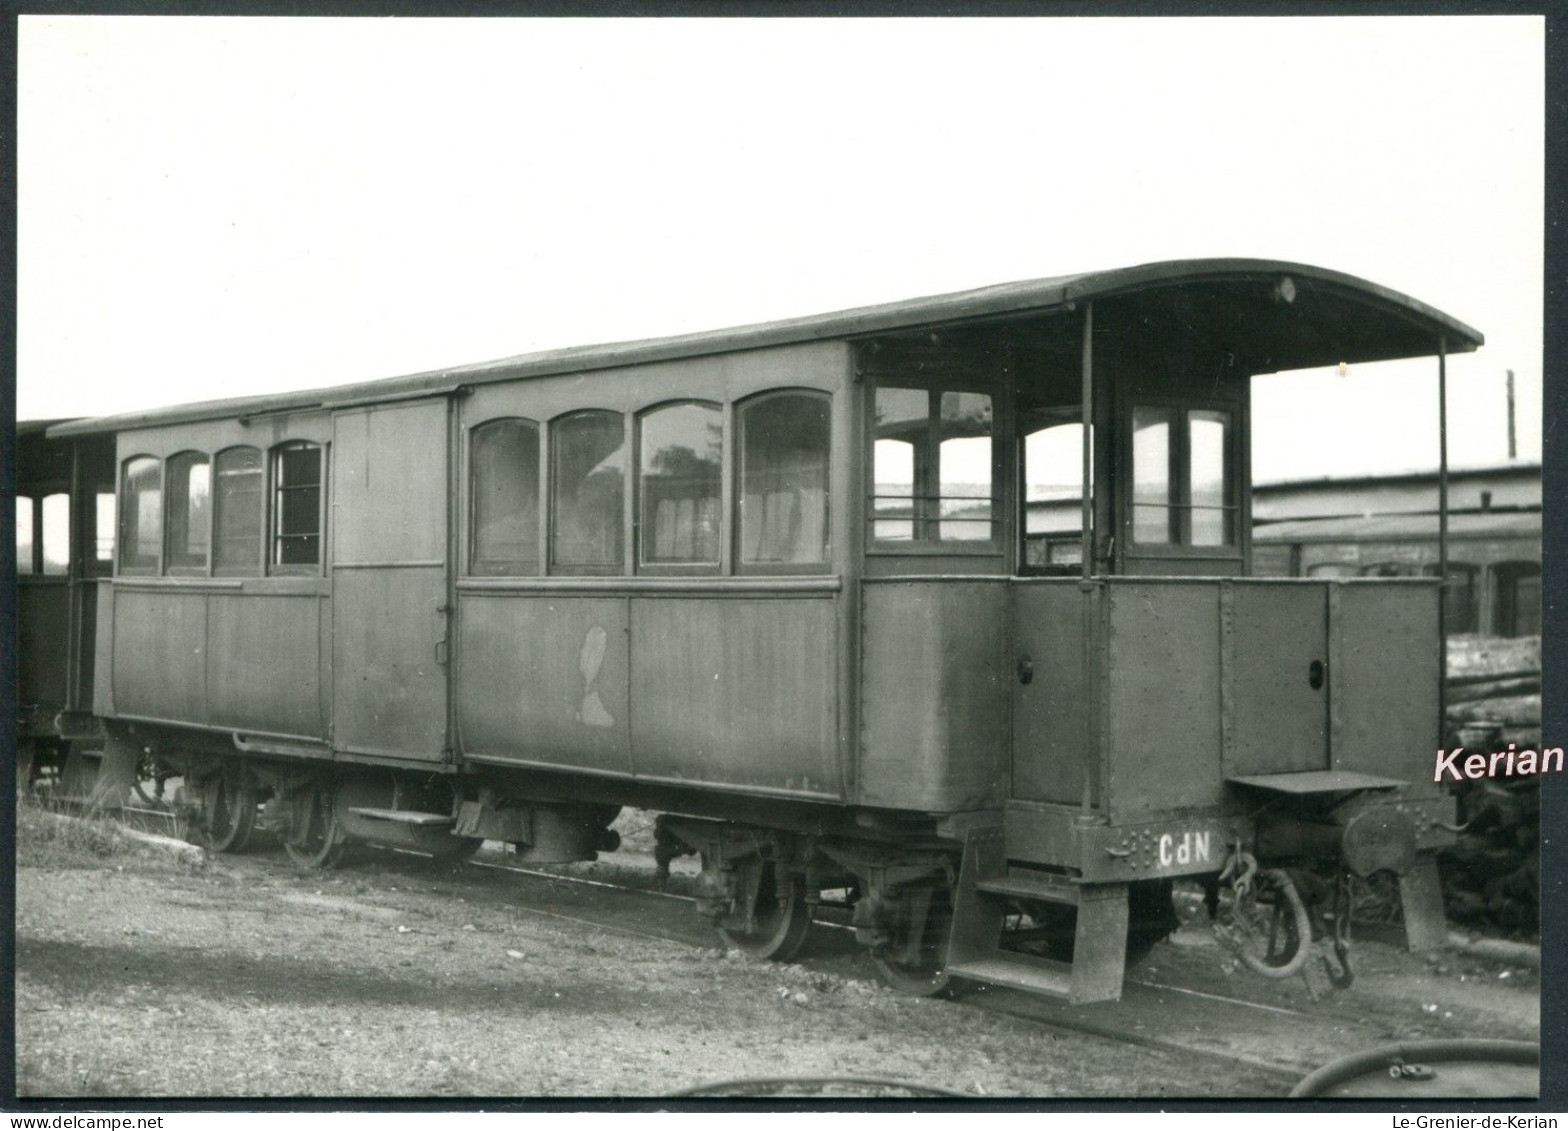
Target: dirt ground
x=139, y=975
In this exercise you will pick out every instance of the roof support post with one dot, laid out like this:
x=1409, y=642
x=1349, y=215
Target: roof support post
x=1088, y=446
x=1442, y=538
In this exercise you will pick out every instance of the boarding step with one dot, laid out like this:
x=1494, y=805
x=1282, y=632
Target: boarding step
x=1048, y=887
x=1019, y=972
x=405, y=817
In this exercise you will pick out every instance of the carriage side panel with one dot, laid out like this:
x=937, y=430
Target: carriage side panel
x=544, y=681
x=1384, y=678
x=736, y=691
x=936, y=719
x=160, y=654
x=1163, y=748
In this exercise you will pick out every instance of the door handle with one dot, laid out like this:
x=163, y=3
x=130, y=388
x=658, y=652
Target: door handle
x=441, y=652
x=1025, y=670
x=1315, y=673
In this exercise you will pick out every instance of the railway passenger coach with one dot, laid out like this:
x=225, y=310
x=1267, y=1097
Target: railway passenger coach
x=771, y=583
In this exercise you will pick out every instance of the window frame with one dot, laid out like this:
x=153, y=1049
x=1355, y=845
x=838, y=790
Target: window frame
x=1179, y=477
x=733, y=484
x=541, y=500
x=554, y=568
x=934, y=385
x=122, y=513
x=276, y=568
x=259, y=567
x=166, y=568
x=635, y=477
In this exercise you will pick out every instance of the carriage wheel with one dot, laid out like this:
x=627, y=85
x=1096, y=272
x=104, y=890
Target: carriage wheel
x=314, y=840
x=782, y=925
x=915, y=960
x=230, y=812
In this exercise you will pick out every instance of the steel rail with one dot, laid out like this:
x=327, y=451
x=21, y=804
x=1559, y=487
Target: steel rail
x=1014, y=1006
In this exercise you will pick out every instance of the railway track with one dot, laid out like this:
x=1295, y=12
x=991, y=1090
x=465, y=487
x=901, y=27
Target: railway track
x=1273, y=1045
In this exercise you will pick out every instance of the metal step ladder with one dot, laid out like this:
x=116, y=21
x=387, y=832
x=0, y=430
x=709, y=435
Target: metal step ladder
x=986, y=888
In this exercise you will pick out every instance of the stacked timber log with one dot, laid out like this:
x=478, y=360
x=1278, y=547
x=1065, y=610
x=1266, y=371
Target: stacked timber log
x=1492, y=876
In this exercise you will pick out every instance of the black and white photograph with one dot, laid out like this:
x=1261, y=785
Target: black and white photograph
x=812, y=560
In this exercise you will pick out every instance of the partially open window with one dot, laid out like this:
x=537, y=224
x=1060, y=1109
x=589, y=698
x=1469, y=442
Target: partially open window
x=237, y=522
x=933, y=467
x=587, y=492
x=141, y=515
x=24, y=536
x=680, y=468
x=504, y=484
x=1053, y=489
x=296, y=508
x=186, y=527
x=785, y=442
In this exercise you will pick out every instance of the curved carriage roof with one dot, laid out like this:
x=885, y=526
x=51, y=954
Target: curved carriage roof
x=1327, y=307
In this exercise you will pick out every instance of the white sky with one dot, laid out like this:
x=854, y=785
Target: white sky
x=218, y=206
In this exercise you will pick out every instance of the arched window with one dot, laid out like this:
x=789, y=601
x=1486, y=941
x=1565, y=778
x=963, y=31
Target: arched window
x=141, y=514
x=1517, y=601
x=239, y=498
x=296, y=508
x=587, y=492
x=24, y=536
x=503, y=479
x=186, y=525
x=680, y=469
x=784, y=448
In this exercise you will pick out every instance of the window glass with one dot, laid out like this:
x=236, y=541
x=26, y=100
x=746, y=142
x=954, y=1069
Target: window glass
x=1209, y=476
x=680, y=468
x=1053, y=489
x=103, y=527
x=785, y=440
x=903, y=429
x=504, y=481
x=236, y=524
x=1053, y=465
x=57, y=534
x=296, y=522
x=965, y=495
x=189, y=493
x=141, y=515
x=24, y=535
x=1331, y=569
x=587, y=475
x=1152, y=514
